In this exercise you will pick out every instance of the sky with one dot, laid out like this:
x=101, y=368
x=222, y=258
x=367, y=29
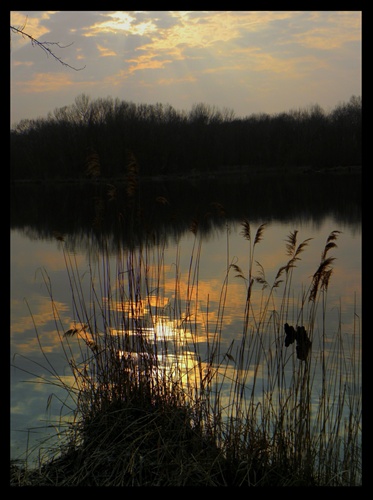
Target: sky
x=247, y=62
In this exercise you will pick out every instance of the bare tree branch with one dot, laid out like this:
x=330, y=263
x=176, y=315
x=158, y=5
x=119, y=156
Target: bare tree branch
x=45, y=46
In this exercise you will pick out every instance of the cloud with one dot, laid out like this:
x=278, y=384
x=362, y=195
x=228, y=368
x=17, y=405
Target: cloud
x=147, y=61
x=45, y=82
x=220, y=43
x=105, y=52
x=174, y=81
x=116, y=79
x=120, y=21
x=330, y=32
x=23, y=63
x=42, y=313
x=48, y=82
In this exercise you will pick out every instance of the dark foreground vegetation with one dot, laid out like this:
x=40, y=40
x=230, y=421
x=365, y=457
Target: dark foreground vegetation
x=92, y=138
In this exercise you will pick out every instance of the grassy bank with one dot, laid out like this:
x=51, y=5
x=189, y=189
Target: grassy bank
x=161, y=400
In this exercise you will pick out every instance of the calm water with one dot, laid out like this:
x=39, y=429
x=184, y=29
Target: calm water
x=37, y=406
x=32, y=408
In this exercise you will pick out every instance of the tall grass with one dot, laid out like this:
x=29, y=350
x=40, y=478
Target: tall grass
x=161, y=399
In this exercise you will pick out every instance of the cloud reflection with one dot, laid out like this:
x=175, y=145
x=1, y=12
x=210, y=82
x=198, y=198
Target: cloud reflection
x=181, y=323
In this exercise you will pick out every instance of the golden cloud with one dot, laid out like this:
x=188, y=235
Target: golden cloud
x=22, y=63
x=45, y=82
x=342, y=28
x=325, y=38
x=173, y=81
x=146, y=61
x=105, y=52
x=118, y=21
x=206, y=30
x=115, y=79
x=291, y=67
x=42, y=313
x=121, y=22
x=49, y=82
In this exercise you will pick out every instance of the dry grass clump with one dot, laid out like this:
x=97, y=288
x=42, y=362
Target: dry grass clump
x=135, y=443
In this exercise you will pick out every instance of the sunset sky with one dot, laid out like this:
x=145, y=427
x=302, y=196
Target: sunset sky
x=245, y=61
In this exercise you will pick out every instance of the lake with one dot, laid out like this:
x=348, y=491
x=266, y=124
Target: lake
x=189, y=232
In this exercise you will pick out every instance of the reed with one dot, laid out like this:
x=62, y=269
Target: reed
x=154, y=407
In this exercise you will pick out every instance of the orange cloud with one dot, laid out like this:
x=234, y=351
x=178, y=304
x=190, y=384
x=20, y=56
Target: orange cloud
x=42, y=313
x=45, y=82
x=116, y=79
x=205, y=30
x=118, y=21
x=325, y=38
x=173, y=81
x=121, y=22
x=291, y=67
x=344, y=27
x=49, y=82
x=146, y=61
x=105, y=52
x=22, y=63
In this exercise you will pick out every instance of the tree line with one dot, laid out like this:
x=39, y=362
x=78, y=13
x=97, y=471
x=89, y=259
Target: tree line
x=103, y=137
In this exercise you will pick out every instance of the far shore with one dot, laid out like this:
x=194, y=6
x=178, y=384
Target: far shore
x=244, y=171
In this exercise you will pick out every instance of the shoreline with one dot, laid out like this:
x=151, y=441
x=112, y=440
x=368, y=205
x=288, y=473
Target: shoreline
x=244, y=171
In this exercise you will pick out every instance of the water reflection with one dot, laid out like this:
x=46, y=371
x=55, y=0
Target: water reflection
x=90, y=217
x=178, y=302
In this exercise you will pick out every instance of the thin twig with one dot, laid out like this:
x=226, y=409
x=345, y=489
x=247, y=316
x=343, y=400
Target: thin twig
x=45, y=46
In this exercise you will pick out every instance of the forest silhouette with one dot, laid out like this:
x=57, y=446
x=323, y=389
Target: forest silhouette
x=100, y=138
